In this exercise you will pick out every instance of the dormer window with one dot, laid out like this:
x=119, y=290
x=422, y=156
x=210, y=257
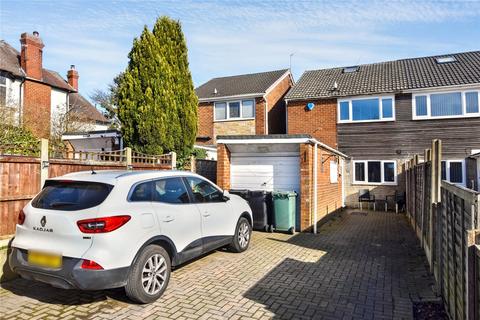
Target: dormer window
x=447, y=59
x=350, y=69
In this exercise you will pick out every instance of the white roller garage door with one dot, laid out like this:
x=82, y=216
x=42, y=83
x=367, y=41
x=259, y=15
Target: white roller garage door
x=267, y=171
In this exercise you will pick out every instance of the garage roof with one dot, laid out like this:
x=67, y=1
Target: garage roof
x=275, y=138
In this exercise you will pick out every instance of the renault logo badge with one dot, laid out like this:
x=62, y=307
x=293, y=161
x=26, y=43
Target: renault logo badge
x=43, y=222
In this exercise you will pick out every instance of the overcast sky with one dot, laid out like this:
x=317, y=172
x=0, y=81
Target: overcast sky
x=236, y=37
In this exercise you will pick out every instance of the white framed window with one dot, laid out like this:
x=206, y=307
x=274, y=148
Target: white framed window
x=234, y=110
x=454, y=171
x=3, y=89
x=375, y=172
x=366, y=109
x=446, y=104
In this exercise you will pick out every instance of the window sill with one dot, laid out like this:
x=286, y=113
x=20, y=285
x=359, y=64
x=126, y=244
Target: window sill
x=365, y=121
x=234, y=119
x=374, y=183
x=476, y=115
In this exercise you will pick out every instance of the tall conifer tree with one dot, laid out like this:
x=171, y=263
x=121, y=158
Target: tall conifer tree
x=157, y=104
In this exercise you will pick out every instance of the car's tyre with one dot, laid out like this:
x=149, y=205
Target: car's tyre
x=241, y=238
x=149, y=275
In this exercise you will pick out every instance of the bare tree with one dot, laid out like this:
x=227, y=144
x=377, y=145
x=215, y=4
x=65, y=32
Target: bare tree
x=107, y=100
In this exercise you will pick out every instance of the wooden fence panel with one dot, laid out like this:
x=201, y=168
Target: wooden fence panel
x=454, y=220
x=20, y=181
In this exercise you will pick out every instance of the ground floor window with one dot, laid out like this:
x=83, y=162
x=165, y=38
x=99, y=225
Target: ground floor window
x=453, y=171
x=374, y=172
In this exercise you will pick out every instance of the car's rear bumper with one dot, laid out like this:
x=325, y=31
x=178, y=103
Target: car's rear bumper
x=70, y=276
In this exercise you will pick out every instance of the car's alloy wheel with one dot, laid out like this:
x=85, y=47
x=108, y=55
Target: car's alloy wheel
x=154, y=274
x=243, y=234
x=149, y=274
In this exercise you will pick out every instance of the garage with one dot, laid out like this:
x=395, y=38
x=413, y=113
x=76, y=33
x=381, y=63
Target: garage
x=265, y=171
x=284, y=163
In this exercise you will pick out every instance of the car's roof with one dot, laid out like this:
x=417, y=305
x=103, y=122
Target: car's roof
x=112, y=176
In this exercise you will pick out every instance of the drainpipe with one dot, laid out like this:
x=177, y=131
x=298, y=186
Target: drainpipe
x=315, y=186
x=20, y=103
x=266, y=114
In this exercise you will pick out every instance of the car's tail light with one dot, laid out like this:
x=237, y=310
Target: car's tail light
x=91, y=265
x=102, y=225
x=21, y=217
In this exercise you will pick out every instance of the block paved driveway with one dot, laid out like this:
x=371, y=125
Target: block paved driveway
x=358, y=267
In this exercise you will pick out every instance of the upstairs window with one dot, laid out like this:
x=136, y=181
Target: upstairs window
x=440, y=105
x=374, y=172
x=3, y=90
x=234, y=110
x=366, y=109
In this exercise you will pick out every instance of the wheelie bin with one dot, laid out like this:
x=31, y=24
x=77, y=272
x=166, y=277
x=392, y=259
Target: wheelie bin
x=284, y=207
x=261, y=205
x=244, y=193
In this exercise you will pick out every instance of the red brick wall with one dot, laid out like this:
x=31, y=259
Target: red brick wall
x=320, y=123
x=36, y=108
x=276, y=106
x=223, y=167
x=205, y=122
x=306, y=186
x=260, y=116
x=329, y=195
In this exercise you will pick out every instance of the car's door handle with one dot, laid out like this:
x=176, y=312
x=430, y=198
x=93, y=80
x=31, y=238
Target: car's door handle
x=206, y=214
x=168, y=219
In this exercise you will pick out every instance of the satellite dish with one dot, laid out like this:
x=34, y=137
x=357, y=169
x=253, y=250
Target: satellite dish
x=310, y=106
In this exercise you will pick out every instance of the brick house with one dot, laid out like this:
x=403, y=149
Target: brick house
x=283, y=162
x=384, y=113
x=242, y=105
x=34, y=96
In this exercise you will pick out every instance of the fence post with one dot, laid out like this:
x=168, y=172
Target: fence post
x=435, y=217
x=173, y=157
x=128, y=154
x=43, y=161
x=193, y=164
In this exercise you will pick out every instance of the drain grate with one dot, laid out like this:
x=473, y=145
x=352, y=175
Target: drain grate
x=359, y=213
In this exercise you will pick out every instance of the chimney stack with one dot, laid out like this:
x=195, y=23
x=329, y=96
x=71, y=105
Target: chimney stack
x=31, y=54
x=72, y=76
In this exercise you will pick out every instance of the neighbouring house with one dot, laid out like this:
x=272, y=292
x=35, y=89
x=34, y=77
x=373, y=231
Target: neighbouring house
x=283, y=162
x=384, y=113
x=95, y=141
x=242, y=105
x=38, y=98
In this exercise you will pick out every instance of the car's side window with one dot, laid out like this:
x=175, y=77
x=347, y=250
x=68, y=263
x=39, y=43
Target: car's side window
x=170, y=190
x=141, y=192
x=204, y=191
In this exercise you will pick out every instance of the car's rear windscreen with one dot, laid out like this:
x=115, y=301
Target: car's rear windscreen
x=71, y=195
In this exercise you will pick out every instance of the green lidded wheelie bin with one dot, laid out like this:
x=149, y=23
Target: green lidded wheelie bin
x=284, y=207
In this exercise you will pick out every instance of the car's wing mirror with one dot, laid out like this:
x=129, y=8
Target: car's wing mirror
x=226, y=195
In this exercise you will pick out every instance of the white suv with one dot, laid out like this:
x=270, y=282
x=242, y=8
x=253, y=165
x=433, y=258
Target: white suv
x=108, y=229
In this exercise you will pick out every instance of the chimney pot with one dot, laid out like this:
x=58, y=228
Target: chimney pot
x=72, y=76
x=31, y=55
